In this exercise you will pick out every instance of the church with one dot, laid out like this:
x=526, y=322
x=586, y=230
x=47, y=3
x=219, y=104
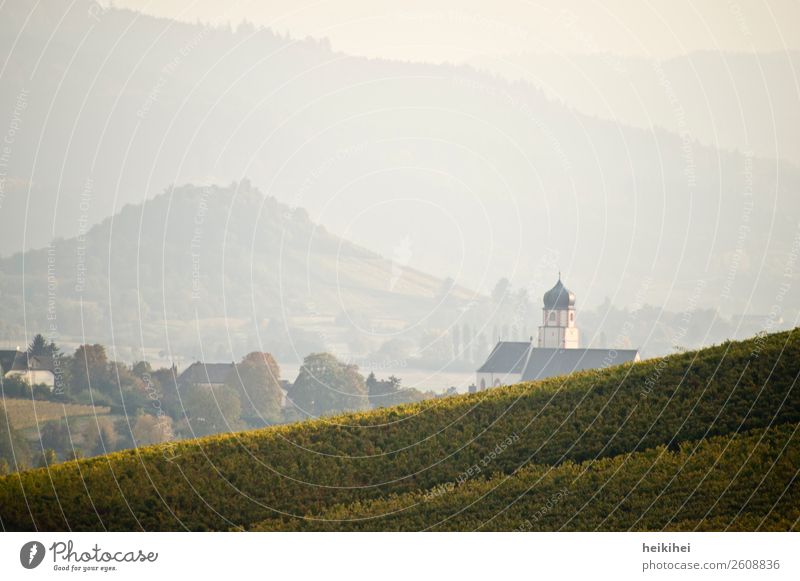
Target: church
x=557, y=350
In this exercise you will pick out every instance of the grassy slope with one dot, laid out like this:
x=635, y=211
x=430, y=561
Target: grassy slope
x=745, y=482
x=241, y=479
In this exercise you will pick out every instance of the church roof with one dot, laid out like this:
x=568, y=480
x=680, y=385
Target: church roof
x=507, y=357
x=559, y=297
x=544, y=363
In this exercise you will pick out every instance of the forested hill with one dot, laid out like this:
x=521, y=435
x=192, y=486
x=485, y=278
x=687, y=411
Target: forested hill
x=110, y=106
x=192, y=262
x=308, y=469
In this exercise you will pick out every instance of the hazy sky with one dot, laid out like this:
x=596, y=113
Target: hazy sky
x=456, y=30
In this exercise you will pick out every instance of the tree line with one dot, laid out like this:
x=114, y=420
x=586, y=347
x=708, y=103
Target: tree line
x=153, y=406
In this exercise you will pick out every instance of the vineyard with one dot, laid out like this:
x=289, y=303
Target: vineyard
x=738, y=482
x=630, y=428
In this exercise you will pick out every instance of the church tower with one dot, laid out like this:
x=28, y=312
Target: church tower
x=558, y=330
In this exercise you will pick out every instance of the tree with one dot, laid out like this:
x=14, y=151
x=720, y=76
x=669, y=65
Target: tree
x=372, y=384
x=212, y=410
x=163, y=391
x=455, y=335
x=388, y=392
x=41, y=348
x=13, y=447
x=501, y=291
x=38, y=346
x=55, y=435
x=377, y=388
x=47, y=458
x=74, y=454
x=142, y=369
x=89, y=368
x=126, y=387
x=149, y=429
x=326, y=385
x=100, y=436
x=257, y=382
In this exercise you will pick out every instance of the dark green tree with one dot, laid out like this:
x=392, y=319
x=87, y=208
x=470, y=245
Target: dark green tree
x=41, y=348
x=48, y=457
x=212, y=410
x=89, y=367
x=38, y=346
x=55, y=435
x=13, y=447
x=257, y=382
x=501, y=291
x=326, y=385
x=142, y=369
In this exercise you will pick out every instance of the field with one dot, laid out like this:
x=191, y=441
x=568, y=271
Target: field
x=623, y=419
x=26, y=413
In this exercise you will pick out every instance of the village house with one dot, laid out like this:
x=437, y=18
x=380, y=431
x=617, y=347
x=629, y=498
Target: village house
x=211, y=375
x=33, y=369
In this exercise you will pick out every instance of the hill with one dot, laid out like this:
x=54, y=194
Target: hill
x=737, y=482
x=111, y=107
x=239, y=480
x=209, y=271
x=734, y=101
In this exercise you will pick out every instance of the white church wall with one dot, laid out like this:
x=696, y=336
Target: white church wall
x=489, y=380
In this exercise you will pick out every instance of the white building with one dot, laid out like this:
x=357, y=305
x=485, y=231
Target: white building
x=557, y=350
x=33, y=369
x=558, y=330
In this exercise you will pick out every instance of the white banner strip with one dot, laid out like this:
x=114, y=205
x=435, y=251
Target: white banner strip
x=391, y=556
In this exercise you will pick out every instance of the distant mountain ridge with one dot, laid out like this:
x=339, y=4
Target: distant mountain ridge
x=734, y=101
x=457, y=172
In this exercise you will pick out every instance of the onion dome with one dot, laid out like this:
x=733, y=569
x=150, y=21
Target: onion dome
x=559, y=297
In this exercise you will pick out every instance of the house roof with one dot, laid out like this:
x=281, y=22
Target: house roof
x=507, y=357
x=7, y=358
x=206, y=373
x=544, y=363
x=25, y=362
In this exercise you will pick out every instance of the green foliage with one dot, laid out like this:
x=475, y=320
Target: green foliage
x=40, y=347
x=14, y=450
x=235, y=480
x=149, y=429
x=16, y=387
x=46, y=458
x=325, y=385
x=212, y=410
x=89, y=369
x=257, y=382
x=55, y=435
x=744, y=482
x=388, y=392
